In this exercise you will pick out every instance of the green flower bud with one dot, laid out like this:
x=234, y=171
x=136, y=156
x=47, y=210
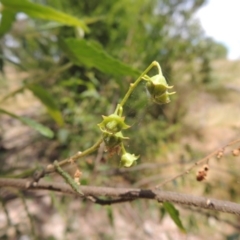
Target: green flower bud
x=112, y=124
x=158, y=89
x=128, y=159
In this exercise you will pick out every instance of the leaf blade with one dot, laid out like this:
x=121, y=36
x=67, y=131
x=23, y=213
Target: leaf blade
x=43, y=12
x=174, y=214
x=48, y=101
x=8, y=17
x=84, y=52
x=45, y=131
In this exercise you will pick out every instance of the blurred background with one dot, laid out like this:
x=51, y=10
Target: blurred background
x=197, y=46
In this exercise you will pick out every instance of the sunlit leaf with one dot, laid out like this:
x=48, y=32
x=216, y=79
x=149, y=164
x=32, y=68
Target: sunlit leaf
x=43, y=12
x=83, y=52
x=90, y=20
x=47, y=99
x=174, y=214
x=45, y=131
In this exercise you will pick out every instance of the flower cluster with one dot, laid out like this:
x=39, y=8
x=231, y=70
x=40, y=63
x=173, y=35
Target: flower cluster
x=112, y=127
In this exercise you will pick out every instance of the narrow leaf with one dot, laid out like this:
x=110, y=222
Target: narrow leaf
x=8, y=59
x=46, y=98
x=110, y=215
x=8, y=17
x=84, y=52
x=43, y=12
x=12, y=94
x=45, y=131
x=174, y=214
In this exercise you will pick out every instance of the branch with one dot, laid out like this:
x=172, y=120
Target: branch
x=127, y=194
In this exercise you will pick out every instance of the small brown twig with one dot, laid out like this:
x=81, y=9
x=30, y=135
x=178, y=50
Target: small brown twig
x=205, y=159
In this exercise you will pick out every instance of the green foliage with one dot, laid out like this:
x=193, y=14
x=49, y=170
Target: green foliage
x=46, y=98
x=8, y=17
x=110, y=215
x=174, y=214
x=83, y=52
x=45, y=131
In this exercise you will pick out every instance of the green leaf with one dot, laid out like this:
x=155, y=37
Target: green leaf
x=43, y=12
x=174, y=214
x=84, y=52
x=110, y=215
x=46, y=98
x=8, y=17
x=45, y=131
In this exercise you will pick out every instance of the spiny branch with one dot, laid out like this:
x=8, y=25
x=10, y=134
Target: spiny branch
x=115, y=195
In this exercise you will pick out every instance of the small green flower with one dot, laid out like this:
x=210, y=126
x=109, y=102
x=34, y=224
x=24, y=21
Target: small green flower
x=162, y=99
x=112, y=124
x=158, y=89
x=113, y=140
x=128, y=159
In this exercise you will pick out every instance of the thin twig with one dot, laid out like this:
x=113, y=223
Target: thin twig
x=205, y=159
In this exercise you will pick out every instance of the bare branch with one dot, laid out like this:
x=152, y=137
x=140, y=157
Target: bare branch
x=126, y=194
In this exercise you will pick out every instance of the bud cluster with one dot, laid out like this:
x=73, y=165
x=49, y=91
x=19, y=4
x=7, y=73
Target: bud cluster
x=111, y=128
